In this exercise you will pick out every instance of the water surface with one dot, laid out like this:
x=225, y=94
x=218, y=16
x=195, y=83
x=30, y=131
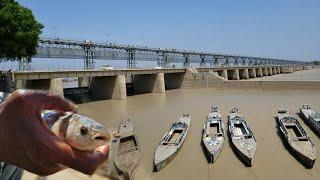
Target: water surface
x=154, y=113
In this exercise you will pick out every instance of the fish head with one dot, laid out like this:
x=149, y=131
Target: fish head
x=86, y=134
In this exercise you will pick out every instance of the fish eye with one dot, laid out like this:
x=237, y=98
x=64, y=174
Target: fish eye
x=83, y=130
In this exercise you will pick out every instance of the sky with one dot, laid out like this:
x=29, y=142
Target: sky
x=288, y=29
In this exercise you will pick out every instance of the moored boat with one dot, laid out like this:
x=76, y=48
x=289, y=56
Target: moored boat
x=297, y=138
x=242, y=137
x=213, y=135
x=127, y=151
x=311, y=117
x=171, y=142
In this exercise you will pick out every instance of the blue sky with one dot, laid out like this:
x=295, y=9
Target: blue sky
x=270, y=28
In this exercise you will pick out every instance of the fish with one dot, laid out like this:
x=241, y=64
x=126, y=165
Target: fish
x=79, y=131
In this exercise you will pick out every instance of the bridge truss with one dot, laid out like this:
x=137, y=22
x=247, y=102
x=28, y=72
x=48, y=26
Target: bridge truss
x=89, y=51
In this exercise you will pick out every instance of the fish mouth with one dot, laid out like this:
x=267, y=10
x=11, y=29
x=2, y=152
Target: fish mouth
x=101, y=137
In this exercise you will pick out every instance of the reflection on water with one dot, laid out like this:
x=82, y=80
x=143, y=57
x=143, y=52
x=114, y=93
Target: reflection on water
x=153, y=114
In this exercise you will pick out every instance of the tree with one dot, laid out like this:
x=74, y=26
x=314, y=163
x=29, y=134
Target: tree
x=19, y=31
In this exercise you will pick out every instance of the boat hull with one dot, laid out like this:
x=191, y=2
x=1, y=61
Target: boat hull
x=158, y=166
x=242, y=138
x=299, y=144
x=306, y=161
x=213, y=135
x=171, y=144
x=212, y=156
x=127, y=150
x=311, y=122
x=247, y=160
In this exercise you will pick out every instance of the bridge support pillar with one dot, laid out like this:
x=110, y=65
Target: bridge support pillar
x=233, y=74
x=291, y=69
x=244, y=74
x=21, y=84
x=149, y=83
x=307, y=67
x=265, y=71
x=84, y=81
x=296, y=68
x=252, y=73
x=224, y=74
x=56, y=86
x=259, y=72
x=270, y=72
x=159, y=85
x=286, y=69
x=274, y=70
x=111, y=87
x=278, y=70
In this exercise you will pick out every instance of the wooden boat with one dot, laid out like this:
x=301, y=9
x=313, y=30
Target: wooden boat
x=297, y=138
x=127, y=151
x=242, y=137
x=172, y=142
x=311, y=117
x=213, y=135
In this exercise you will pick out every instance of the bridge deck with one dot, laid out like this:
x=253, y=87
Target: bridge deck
x=33, y=75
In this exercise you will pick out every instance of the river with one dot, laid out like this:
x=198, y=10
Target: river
x=153, y=114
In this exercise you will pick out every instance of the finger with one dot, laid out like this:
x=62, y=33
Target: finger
x=46, y=100
x=88, y=163
x=84, y=162
x=51, y=118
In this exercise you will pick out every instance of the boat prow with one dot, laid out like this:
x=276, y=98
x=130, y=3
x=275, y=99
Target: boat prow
x=305, y=151
x=246, y=150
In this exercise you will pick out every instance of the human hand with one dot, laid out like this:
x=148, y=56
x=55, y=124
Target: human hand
x=27, y=141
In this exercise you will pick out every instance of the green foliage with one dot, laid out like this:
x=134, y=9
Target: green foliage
x=19, y=31
x=316, y=62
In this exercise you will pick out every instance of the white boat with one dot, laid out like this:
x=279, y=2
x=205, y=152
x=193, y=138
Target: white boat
x=127, y=153
x=171, y=142
x=213, y=135
x=296, y=137
x=311, y=117
x=242, y=137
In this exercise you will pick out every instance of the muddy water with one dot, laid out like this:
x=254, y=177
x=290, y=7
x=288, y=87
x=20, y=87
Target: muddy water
x=153, y=114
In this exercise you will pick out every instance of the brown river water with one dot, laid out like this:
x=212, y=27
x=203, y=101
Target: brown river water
x=153, y=114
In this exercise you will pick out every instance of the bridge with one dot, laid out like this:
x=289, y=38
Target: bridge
x=113, y=84
x=90, y=51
